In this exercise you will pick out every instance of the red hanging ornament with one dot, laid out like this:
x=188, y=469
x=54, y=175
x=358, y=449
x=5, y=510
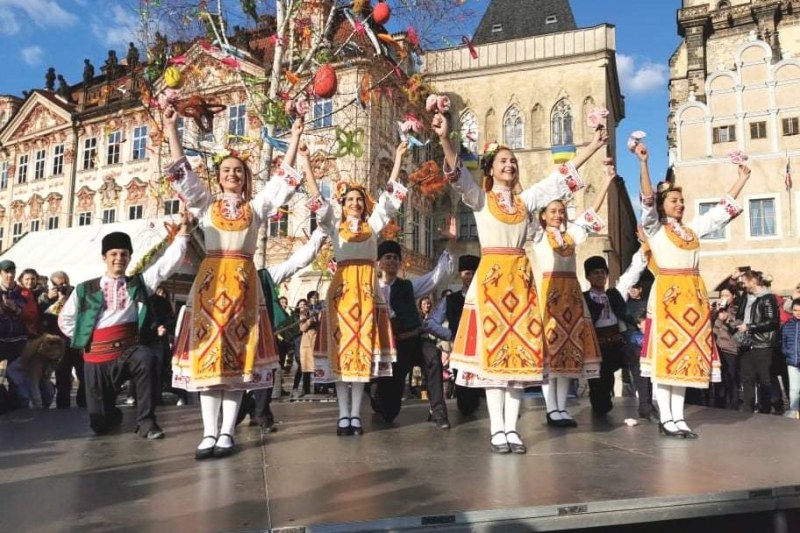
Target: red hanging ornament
x=381, y=13
x=325, y=82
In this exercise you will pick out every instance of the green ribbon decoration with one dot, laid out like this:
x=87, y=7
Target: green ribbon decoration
x=274, y=114
x=349, y=142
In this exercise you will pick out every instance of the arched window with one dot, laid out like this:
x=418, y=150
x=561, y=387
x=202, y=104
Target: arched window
x=469, y=131
x=561, y=124
x=724, y=4
x=513, y=128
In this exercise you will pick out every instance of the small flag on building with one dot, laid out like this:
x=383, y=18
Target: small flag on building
x=787, y=179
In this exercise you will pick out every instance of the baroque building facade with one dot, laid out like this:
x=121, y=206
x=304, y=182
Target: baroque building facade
x=734, y=83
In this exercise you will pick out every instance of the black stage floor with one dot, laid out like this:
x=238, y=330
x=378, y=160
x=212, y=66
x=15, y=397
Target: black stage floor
x=54, y=476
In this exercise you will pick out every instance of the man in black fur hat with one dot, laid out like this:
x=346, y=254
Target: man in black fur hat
x=112, y=320
x=402, y=295
x=611, y=319
x=450, y=309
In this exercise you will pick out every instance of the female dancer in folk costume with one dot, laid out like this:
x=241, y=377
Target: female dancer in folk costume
x=355, y=343
x=499, y=343
x=679, y=348
x=225, y=342
x=571, y=345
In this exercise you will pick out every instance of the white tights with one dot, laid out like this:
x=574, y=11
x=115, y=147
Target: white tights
x=503, y=405
x=670, y=405
x=210, y=404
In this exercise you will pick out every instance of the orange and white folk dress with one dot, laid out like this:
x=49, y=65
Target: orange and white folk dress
x=571, y=344
x=500, y=339
x=680, y=348
x=355, y=341
x=225, y=338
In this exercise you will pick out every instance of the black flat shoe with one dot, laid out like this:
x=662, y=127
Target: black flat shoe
x=667, y=433
x=516, y=448
x=205, y=453
x=439, y=421
x=356, y=430
x=568, y=422
x=343, y=431
x=499, y=448
x=555, y=423
x=220, y=451
x=687, y=433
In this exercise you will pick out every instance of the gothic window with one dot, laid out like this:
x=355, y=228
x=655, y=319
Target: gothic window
x=469, y=131
x=561, y=123
x=513, y=129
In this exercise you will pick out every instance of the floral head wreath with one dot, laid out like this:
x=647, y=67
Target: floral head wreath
x=343, y=187
x=489, y=151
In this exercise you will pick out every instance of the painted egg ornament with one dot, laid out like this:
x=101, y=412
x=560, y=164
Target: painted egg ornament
x=325, y=82
x=173, y=77
x=381, y=13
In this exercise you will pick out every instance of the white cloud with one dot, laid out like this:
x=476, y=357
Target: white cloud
x=42, y=13
x=640, y=78
x=117, y=29
x=32, y=55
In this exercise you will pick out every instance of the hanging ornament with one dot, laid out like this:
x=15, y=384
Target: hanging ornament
x=173, y=77
x=381, y=13
x=364, y=90
x=325, y=82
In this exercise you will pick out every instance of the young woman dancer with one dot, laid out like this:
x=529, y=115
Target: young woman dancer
x=499, y=343
x=354, y=343
x=572, y=349
x=679, y=348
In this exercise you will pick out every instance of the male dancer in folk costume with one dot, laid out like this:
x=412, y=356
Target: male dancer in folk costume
x=572, y=349
x=449, y=309
x=679, y=349
x=499, y=345
x=355, y=343
x=111, y=319
x=225, y=343
x=407, y=328
x=610, y=318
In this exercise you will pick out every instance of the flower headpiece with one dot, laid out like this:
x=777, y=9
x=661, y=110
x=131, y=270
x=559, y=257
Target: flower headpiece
x=489, y=151
x=220, y=155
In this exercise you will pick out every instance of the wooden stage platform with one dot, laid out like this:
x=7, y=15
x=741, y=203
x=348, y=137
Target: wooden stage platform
x=743, y=473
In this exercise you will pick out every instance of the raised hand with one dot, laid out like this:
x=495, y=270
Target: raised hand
x=401, y=150
x=600, y=136
x=298, y=126
x=641, y=152
x=439, y=126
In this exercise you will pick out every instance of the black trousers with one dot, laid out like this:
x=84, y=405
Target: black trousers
x=614, y=356
x=72, y=359
x=778, y=369
x=726, y=394
x=103, y=383
x=754, y=370
x=388, y=394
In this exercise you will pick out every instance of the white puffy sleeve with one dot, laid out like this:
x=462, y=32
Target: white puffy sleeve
x=562, y=182
x=278, y=190
x=472, y=195
x=388, y=204
x=717, y=217
x=188, y=186
x=587, y=222
x=650, y=221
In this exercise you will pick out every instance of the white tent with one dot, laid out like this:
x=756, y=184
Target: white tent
x=76, y=250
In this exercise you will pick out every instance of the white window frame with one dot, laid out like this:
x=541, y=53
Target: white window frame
x=58, y=160
x=109, y=216
x=551, y=19
x=321, y=114
x=172, y=207
x=52, y=222
x=16, y=232
x=135, y=210
x=114, y=148
x=35, y=225
x=237, y=119
x=778, y=221
x=469, y=126
x=466, y=219
x=497, y=28
x=514, y=129
x=428, y=236
x=562, y=115
x=85, y=218
x=794, y=126
x=277, y=229
x=4, y=175
x=415, y=229
x=89, y=153
x=38, y=164
x=139, y=150
x=726, y=235
x=22, y=169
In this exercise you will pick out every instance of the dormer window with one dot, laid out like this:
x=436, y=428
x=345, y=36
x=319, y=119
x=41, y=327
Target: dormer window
x=497, y=28
x=551, y=19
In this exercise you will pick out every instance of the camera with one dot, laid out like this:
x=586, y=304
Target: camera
x=64, y=289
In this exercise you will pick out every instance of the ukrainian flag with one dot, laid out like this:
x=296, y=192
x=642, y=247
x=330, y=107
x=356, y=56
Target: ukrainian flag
x=563, y=153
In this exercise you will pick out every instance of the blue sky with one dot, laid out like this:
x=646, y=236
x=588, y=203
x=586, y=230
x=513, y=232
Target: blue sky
x=37, y=34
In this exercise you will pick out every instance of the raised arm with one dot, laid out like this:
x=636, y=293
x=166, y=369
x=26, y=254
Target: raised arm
x=599, y=140
x=459, y=177
x=610, y=174
x=425, y=284
x=645, y=185
x=390, y=201
x=299, y=259
x=304, y=160
x=297, y=130
x=741, y=181
x=170, y=117
x=440, y=127
x=399, y=152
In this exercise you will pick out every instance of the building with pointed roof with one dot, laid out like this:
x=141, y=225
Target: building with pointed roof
x=508, y=20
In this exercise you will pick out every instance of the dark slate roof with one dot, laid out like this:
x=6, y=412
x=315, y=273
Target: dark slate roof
x=520, y=19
